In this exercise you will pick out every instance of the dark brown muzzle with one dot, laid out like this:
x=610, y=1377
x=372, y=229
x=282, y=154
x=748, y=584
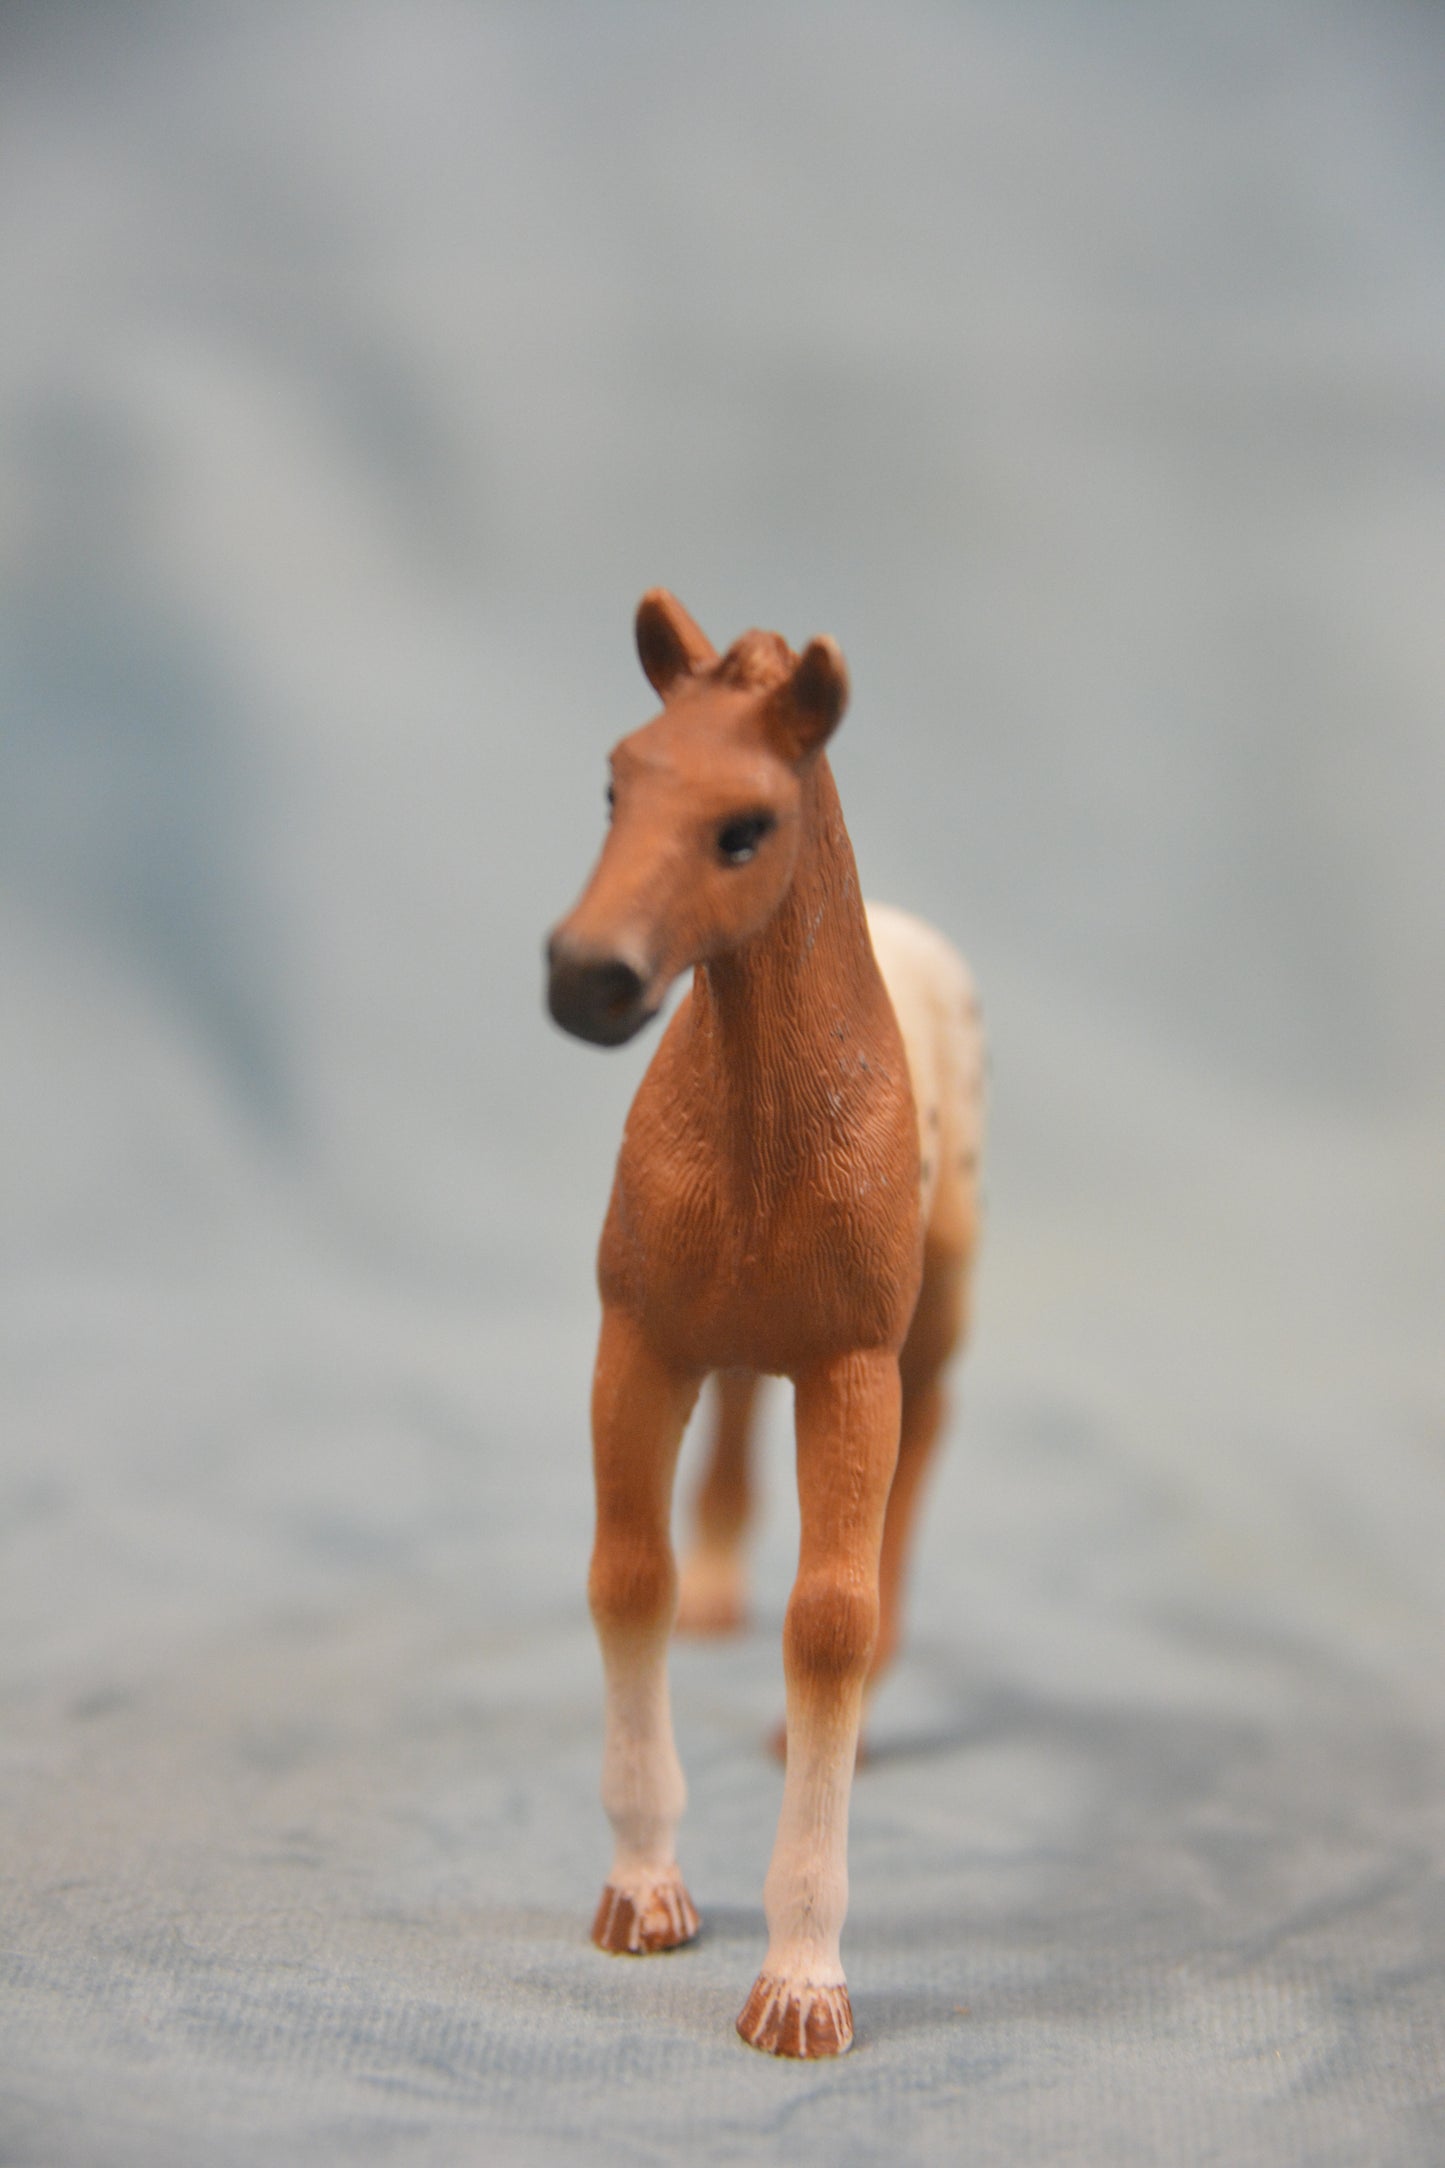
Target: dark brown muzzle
x=601, y=998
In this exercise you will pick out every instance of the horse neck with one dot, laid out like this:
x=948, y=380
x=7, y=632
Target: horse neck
x=768, y=1014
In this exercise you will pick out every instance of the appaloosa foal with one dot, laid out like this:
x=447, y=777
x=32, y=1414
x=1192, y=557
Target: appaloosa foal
x=795, y=1195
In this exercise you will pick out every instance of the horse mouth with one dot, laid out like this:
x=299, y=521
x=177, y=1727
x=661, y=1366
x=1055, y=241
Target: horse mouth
x=606, y=1003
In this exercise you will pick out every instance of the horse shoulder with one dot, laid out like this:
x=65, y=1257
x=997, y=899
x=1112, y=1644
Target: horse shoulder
x=662, y=1223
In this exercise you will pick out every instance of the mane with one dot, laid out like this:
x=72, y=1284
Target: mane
x=755, y=662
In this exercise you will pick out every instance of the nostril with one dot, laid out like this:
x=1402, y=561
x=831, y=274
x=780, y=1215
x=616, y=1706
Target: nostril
x=602, y=998
x=618, y=988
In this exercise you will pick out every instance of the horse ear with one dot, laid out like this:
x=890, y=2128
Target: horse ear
x=669, y=644
x=808, y=706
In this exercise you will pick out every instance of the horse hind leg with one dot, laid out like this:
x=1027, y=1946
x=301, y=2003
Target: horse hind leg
x=938, y=1328
x=712, y=1596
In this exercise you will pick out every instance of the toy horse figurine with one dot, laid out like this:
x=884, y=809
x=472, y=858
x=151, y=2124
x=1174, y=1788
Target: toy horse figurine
x=796, y=1195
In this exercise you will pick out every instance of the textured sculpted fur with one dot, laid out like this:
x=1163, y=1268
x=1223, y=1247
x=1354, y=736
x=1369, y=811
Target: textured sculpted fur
x=934, y=1001
x=794, y=1195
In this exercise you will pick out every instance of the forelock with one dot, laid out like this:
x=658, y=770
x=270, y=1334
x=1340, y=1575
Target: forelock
x=755, y=662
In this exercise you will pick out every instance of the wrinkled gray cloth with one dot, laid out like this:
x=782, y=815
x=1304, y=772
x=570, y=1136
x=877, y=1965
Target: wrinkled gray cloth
x=1080, y=369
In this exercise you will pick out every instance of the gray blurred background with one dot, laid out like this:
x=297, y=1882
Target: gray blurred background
x=1082, y=369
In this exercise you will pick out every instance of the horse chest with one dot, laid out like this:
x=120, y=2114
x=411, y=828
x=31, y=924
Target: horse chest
x=769, y=1259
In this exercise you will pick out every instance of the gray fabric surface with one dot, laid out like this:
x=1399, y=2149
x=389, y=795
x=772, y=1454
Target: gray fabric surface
x=1080, y=369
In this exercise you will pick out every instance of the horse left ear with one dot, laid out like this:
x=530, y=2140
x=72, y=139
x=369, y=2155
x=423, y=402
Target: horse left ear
x=808, y=706
x=669, y=644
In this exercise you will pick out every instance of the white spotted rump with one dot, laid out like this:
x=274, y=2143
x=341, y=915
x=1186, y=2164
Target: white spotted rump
x=933, y=997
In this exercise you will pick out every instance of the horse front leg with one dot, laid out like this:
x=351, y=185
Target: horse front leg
x=847, y=1418
x=639, y=1411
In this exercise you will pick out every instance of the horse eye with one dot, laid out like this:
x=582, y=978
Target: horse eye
x=738, y=840
x=611, y=798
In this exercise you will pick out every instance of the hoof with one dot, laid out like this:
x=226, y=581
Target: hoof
x=636, y=1923
x=710, y=1597
x=805, y=2022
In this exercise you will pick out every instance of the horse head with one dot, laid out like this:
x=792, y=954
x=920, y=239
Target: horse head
x=707, y=803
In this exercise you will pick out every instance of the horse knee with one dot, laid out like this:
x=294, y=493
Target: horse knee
x=831, y=1628
x=632, y=1584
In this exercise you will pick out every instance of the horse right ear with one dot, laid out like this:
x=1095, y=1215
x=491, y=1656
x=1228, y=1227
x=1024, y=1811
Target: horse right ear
x=669, y=644
x=805, y=710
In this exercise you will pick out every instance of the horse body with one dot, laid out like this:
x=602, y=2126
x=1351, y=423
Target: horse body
x=794, y=1195
x=932, y=995
x=765, y=1208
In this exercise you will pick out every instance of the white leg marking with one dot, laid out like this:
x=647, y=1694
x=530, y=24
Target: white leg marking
x=645, y=1905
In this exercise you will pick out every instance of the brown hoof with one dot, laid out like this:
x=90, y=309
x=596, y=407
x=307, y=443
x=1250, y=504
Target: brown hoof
x=663, y=1919
x=804, y=2022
